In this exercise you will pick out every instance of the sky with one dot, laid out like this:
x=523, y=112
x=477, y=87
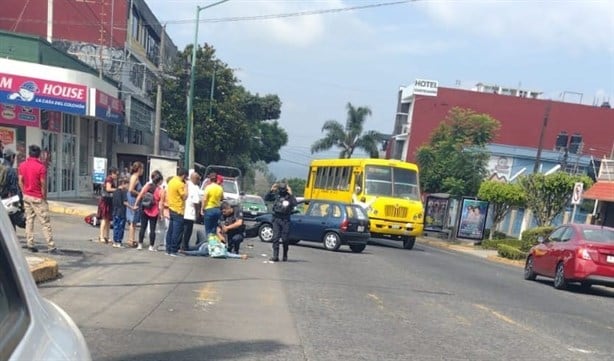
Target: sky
x=318, y=63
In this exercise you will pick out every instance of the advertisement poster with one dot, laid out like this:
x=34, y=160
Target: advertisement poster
x=107, y=107
x=8, y=138
x=472, y=219
x=99, y=170
x=44, y=94
x=499, y=168
x=19, y=115
x=435, y=213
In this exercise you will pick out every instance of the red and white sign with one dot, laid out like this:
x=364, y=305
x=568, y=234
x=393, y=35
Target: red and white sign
x=19, y=115
x=44, y=94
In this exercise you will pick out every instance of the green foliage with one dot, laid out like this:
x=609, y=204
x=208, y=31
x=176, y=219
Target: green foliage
x=532, y=235
x=496, y=234
x=241, y=129
x=510, y=252
x=455, y=159
x=548, y=195
x=493, y=244
x=349, y=137
x=297, y=185
x=502, y=197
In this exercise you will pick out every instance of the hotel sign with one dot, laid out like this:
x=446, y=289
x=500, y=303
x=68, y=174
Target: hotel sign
x=426, y=87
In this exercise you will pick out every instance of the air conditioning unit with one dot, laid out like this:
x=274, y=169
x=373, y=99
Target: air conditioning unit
x=405, y=129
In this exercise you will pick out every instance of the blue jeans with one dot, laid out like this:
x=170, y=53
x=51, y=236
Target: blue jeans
x=174, y=232
x=119, y=225
x=212, y=217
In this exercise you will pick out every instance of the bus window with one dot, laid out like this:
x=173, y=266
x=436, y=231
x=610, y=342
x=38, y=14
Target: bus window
x=405, y=184
x=330, y=183
x=320, y=179
x=358, y=186
x=379, y=181
x=344, y=179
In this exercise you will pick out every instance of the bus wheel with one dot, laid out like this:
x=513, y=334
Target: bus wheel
x=408, y=242
x=332, y=241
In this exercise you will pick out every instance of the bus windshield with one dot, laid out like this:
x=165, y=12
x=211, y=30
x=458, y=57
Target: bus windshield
x=392, y=182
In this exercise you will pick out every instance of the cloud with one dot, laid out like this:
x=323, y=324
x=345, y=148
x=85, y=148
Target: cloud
x=572, y=25
x=293, y=32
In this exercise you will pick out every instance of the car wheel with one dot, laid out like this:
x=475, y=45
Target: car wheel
x=332, y=241
x=265, y=232
x=408, y=242
x=560, y=283
x=529, y=274
x=357, y=248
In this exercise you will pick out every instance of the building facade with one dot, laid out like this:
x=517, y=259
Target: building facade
x=572, y=133
x=122, y=40
x=53, y=100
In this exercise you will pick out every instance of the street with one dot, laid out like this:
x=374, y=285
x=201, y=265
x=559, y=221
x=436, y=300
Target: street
x=383, y=304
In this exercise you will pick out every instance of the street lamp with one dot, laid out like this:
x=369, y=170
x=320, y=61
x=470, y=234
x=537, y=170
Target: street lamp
x=189, y=139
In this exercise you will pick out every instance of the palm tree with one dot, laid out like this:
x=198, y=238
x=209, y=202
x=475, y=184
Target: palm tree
x=350, y=137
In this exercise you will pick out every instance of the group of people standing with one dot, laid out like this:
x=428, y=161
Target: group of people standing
x=174, y=201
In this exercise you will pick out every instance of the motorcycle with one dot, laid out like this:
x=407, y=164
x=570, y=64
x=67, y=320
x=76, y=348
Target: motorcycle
x=15, y=210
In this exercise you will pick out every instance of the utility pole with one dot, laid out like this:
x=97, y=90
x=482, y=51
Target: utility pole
x=541, y=138
x=189, y=135
x=211, y=92
x=158, y=119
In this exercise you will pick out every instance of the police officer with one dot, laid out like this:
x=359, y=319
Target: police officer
x=283, y=205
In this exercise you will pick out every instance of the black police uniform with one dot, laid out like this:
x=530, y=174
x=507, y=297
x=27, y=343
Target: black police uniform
x=283, y=205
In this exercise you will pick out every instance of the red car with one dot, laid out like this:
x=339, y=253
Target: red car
x=574, y=253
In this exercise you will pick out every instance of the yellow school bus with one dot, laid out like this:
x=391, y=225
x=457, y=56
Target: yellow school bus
x=388, y=189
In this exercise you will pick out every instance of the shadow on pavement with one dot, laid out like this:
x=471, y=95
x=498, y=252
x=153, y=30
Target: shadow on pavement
x=135, y=284
x=600, y=291
x=219, y=351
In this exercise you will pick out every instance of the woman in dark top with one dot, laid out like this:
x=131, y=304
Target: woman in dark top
x=105, y=205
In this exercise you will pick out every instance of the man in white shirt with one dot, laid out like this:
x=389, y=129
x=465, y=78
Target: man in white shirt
x=189, y=214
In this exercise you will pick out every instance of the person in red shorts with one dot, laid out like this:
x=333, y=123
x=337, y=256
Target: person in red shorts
x=33, y=184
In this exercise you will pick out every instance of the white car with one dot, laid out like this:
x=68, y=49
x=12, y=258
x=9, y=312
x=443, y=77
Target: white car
x=31, y=327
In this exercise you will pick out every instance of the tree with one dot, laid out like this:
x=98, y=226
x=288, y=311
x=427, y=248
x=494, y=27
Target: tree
x=502, y=197
x=455, y=159
x=548, y=195
x=242, y=128
x=349, y=137
x=297, y=185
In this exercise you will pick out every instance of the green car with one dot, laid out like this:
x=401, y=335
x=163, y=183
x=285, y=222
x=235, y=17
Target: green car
x=253, y=206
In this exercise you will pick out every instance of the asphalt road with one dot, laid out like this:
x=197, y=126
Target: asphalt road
x=384, y=304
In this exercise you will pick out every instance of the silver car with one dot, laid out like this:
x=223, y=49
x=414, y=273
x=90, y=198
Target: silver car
x=31, y=327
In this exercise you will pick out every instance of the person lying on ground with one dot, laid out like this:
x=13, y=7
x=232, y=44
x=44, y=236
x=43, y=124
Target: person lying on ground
x=212, y=246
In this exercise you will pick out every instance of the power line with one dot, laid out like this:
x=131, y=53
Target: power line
x=232, y=19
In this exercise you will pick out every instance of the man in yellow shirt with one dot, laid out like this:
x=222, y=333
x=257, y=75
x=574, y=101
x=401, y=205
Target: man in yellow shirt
x=176, y=194
x=214, y=193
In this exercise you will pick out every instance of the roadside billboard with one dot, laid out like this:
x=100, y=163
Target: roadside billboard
x=472, y=219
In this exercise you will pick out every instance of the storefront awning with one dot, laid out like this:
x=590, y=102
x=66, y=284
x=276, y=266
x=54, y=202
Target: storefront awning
x=602, y=191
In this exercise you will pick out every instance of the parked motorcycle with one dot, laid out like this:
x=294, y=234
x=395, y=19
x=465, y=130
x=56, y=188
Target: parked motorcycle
x=15, y=210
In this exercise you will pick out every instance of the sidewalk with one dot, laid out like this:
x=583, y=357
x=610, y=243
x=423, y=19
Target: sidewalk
x=468, y=248
x=74, y=206
x=45, y=269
